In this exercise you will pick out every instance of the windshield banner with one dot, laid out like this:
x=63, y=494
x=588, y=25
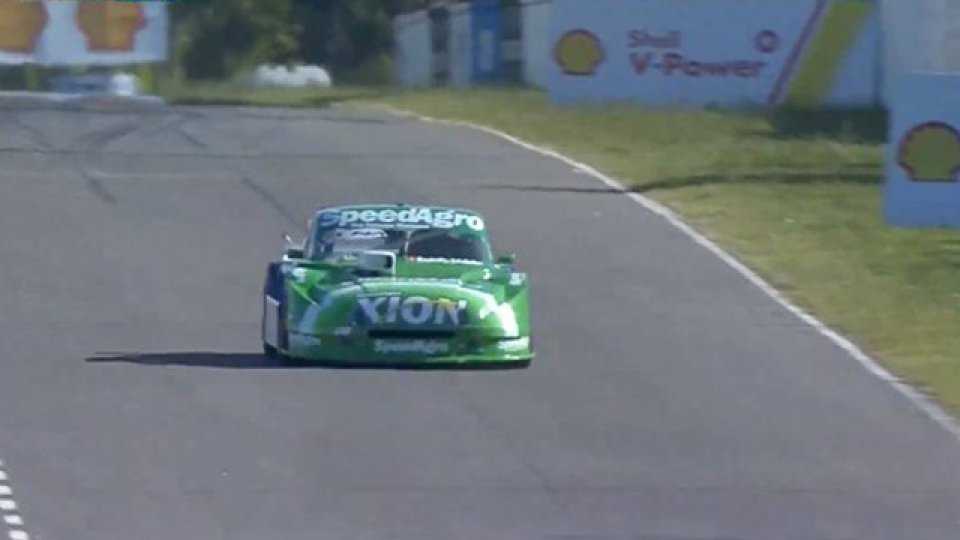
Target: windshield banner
x=395, y=217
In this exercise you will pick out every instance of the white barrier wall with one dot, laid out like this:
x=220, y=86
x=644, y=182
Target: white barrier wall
x=412, y=49
x=918, y=36
x=537, y=57
x=461, y=45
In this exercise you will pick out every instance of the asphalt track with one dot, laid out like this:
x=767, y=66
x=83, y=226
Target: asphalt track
x=671, y=399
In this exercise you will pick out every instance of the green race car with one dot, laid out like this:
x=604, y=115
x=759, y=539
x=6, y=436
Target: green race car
x=396, y=285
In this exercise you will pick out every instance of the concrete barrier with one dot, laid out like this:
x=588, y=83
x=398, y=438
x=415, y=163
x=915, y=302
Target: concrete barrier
x=412, y=49
x=537, y=58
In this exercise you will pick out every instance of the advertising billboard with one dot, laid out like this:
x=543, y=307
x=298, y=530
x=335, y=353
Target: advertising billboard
x=715, y=52
x=82, y=33
x=923, y=156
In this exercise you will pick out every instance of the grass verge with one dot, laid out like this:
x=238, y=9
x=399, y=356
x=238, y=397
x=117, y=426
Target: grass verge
x=794, y=195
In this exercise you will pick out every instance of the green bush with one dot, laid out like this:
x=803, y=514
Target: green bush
x=375, y=72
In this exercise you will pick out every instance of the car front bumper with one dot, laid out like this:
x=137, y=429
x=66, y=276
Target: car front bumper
x=425, y=352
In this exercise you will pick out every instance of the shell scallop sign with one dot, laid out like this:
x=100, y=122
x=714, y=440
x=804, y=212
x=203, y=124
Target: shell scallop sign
x=110, y=26
x=578, y=53
x=930, y=152
x=922, y=187
x=21, y=24
x=83, y=32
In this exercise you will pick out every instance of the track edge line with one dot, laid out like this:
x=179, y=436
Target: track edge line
x=931, y=409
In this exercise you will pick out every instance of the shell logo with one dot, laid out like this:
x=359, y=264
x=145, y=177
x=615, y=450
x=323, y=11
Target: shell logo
x=930, y=152
x=578, y=53
x=110, y=26
x=21, y=24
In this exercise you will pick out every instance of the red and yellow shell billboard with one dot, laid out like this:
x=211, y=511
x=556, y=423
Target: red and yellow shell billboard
x=82, y=32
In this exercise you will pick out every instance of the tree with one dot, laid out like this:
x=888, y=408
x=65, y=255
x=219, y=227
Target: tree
x=218, y=38
x=345, y=34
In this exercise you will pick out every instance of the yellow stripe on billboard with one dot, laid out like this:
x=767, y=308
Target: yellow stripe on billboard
x=837, y=33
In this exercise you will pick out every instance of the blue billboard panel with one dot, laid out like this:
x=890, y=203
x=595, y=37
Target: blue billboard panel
x=486, y=32
x=923, y=154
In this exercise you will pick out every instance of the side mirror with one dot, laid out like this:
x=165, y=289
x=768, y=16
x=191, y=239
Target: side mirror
x=292, y=250
x=380, y=262
x=507, y=259
x=293, y=253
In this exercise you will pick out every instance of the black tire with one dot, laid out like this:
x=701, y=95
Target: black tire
x=273, y=288
x=269, y=350
x=291, y=361
x=283, y=338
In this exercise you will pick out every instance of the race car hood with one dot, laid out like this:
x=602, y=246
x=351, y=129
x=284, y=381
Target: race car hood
x=424, y=296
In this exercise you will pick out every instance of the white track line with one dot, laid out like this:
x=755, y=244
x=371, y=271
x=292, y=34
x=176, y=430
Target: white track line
x=932, y=410
x=8, y=509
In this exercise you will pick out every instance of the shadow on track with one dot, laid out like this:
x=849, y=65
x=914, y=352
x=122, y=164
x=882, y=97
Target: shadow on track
x=190, y=359
x=245, y=99
x=260, y=361
x=867, y=176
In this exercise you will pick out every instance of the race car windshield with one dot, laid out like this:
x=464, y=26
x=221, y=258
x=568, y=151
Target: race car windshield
x=334, y=243
x=447, y=244
x=425, y=244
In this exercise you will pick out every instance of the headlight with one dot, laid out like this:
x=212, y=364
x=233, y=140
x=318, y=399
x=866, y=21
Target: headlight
x=515, y=344
x=298, y=274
